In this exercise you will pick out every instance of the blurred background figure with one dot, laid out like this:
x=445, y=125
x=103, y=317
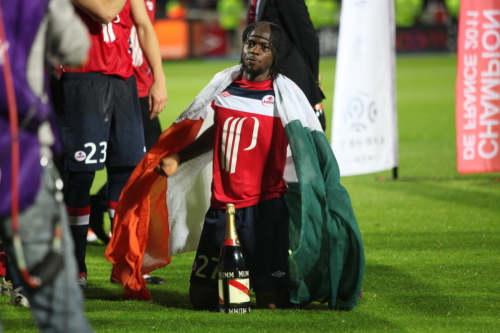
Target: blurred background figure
x=453, y=7
x=323, y=13
x=407, y=12
x=231, y=15
x=32, y=213
x=175, y=9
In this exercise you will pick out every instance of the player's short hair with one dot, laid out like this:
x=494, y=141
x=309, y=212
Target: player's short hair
x=276, y=41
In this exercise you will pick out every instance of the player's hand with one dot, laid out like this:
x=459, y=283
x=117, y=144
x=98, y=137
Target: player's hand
x=168, y=166
x=157, y=98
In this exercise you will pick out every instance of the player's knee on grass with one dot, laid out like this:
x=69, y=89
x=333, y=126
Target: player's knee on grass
x=274, y=299
x=203, y=298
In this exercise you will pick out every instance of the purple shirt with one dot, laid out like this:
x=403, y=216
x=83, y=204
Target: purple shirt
x=22, y=20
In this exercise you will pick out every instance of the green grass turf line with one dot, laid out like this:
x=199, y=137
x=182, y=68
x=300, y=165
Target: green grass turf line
x=432, y=238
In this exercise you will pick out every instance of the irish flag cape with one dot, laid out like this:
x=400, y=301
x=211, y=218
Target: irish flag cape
x=157, y=217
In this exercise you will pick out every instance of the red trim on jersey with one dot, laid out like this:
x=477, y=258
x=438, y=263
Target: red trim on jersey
x=254, y=85
x=83, y=211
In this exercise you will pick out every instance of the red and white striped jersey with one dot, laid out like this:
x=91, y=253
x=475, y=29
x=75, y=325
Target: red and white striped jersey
x=142, y=71
x=110, y=48
x=250, y=146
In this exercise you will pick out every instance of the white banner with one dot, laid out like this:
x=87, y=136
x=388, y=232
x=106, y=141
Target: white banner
x=364, y=124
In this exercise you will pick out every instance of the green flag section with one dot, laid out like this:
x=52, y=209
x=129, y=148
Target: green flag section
x=327, y=262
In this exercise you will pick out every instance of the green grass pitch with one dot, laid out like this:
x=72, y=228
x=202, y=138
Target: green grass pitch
x=432, y=238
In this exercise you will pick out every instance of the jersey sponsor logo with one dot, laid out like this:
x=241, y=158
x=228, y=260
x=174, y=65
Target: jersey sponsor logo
x=268, y=100
x=80, y=155
x=149, y=5
x=231, y=134
x=225, y=94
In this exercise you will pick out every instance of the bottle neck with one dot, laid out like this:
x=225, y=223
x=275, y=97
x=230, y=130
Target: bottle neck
x=231, y=238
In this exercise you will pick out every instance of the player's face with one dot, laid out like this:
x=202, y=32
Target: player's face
x=257, y=55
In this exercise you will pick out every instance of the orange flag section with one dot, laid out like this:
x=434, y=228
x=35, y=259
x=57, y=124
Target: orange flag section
x=140, y=236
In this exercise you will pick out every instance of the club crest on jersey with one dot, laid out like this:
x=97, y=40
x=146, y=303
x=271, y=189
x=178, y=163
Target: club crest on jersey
x=268, y=100
x=80, y=155
x=225, y=94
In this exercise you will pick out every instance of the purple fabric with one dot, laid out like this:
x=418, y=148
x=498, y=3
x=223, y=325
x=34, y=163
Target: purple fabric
x=29, y=170
x=22, y=20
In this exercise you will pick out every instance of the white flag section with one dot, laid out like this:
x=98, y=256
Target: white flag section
x=364, y=125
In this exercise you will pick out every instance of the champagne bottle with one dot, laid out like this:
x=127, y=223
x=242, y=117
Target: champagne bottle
x=234, y=278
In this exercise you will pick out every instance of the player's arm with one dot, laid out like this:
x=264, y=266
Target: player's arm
x=149, y=44
x=69, y=42
x=203, y=144
x=103, y=11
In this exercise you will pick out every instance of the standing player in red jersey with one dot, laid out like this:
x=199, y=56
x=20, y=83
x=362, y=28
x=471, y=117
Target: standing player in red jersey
x=144, y=77
x=99, y=115
x=152, y=130
x=151, y=125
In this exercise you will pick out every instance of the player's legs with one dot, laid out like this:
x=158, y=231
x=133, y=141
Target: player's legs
x=126, y=139
x=98, y=202
x=117, y=178
x=263, y=231
x=78, y=205
x=83, y=120
x=202, y=297
x=264, y=237
x=152, y=128
x=203, y=288
x=274, y=299
x=98, y=206
x=126, y=145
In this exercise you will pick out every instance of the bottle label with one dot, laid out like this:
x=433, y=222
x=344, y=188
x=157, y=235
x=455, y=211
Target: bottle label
x=245, y=309
x=238, y=291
